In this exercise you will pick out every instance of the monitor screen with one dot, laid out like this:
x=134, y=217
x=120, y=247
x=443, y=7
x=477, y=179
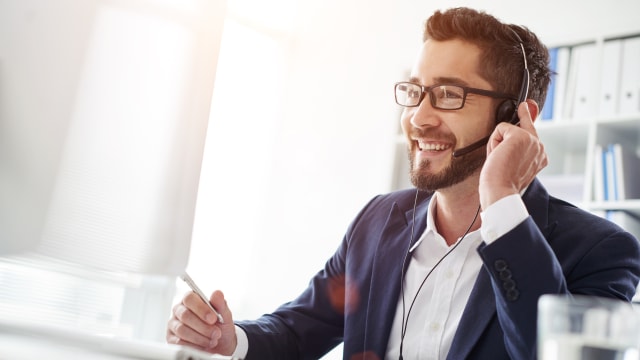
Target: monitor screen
x=103, y=115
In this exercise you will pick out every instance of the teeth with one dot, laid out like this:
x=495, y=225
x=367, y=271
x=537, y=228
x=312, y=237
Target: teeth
x=432, y=147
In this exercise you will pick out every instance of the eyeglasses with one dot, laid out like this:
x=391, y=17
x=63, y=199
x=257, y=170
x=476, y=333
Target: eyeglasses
x=443, y=97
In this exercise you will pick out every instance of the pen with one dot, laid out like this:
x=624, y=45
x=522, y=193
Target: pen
x=199, y=292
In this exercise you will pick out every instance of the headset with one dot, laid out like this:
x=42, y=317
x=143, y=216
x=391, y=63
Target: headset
x=507, y=111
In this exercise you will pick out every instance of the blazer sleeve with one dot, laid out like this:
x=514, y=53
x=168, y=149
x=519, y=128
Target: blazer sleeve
x=580, y=254
x=307, y=327
x=313, y=323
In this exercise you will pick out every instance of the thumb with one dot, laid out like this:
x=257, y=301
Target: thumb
x=227, y=341
x=220, y=304
x=527, y=112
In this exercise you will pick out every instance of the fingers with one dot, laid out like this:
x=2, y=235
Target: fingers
x=178, y=332
x=515, y=155
x=187, y=314
x=192, y=301
x=193, y=324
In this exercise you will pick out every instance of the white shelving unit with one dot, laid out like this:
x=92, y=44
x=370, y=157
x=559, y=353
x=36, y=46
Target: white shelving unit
x=571, y=147
x=571, y=143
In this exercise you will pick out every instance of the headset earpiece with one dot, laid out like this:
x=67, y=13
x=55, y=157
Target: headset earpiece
x=507, y=111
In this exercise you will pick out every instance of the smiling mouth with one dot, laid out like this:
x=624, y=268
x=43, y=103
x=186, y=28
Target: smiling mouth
x=430, y=146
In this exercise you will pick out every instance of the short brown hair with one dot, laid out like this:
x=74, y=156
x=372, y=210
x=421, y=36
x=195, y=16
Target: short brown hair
x=501, y=61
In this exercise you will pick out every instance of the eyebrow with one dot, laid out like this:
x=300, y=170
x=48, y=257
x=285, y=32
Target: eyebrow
x=443, y=80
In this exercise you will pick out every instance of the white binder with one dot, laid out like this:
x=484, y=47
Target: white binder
x=584, y=96
x=610, y=78
x=630, y=83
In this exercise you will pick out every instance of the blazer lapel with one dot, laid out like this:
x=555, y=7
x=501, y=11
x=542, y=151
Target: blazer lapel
x=392, y=247
x=480, y=308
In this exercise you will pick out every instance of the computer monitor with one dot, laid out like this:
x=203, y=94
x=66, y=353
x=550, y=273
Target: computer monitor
x=103, y=115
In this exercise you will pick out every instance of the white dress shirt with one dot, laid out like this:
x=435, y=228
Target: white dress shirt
x=439, y=305
x=438, y=308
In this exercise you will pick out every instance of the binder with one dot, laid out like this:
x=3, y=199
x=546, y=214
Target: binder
x=561, y=79
x=598, y=174
x=547, y=110
x=626, y=173
x=630, y=81
x=610, y=78
x=583, y=87
x=609, y=187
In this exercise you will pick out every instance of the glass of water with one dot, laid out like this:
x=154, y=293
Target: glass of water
x=579, y=327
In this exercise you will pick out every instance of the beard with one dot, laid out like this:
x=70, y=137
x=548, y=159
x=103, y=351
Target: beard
x=458, y=170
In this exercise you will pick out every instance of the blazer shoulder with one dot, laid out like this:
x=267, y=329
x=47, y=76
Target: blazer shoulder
x=405, y=199
x=575, y=217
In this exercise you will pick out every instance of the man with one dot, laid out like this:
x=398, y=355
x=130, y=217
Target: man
x=419, y=275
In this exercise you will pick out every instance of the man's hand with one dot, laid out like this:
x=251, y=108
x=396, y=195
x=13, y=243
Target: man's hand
x=194, y=324
x=515, y=156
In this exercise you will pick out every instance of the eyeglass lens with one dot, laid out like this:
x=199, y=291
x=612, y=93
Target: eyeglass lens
x=445, y=97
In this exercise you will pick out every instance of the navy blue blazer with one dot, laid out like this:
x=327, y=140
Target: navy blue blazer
x=558, y=249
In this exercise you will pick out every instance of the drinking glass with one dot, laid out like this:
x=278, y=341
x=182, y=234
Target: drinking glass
x=579, y=327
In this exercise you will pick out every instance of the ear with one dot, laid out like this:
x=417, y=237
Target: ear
x=533, y=109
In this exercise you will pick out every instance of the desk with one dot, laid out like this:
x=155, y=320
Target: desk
x=30, y=342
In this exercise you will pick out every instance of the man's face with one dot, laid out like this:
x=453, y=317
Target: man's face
x=433, y=134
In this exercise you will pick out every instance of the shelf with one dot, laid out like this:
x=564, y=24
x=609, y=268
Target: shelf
x=625, y=131
x=632, y=206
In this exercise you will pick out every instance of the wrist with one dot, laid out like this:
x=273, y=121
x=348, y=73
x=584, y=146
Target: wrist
x=242, y=344
x=492, y=195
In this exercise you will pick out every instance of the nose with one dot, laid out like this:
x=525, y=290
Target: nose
x=423, y=115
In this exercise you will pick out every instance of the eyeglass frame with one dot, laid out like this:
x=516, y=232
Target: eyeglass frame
x=466, y=90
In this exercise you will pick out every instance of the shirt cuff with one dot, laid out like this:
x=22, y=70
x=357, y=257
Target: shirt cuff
x=501, y=217
x=242, y=348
